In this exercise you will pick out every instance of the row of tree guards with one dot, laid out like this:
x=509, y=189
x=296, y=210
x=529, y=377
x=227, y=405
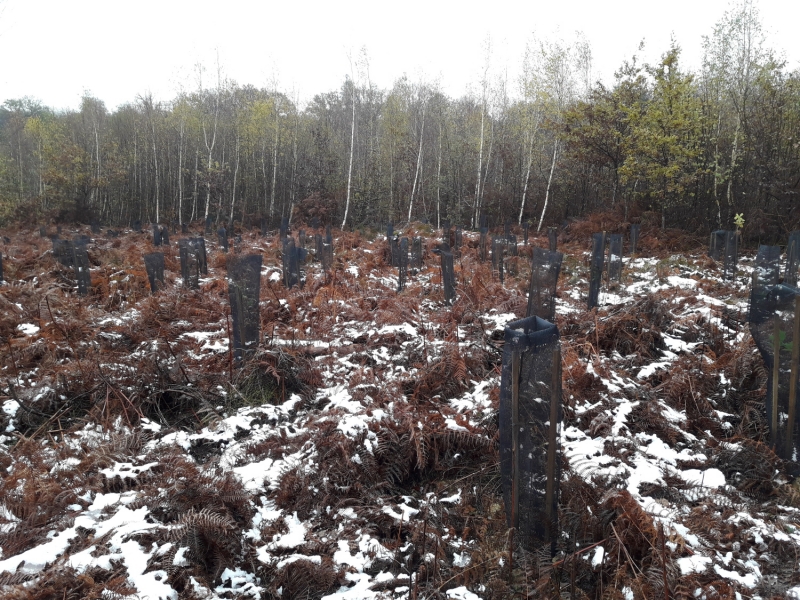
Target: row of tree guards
x=193, y=257
x=503, y=252
x=530, y=392
x=545, y=264
x=774, y=321
x=530, y=389
x=194, y=263
x=244, y=289
x=295, y=253
x=606, y=259
x=530, y=399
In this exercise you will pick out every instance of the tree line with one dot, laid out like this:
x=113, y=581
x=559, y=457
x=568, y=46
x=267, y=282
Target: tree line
x=660, y=144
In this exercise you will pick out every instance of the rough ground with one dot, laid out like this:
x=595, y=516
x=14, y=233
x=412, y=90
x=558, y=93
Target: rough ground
x=356, y=456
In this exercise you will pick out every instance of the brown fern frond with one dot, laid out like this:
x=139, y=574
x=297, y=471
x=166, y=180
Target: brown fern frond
x=631, y=530
x=445, y=377
x=305, y=579
x=750, y=465
x=16, y=578
x=204, y=520
x=515, y=304
x=452, y=441
x=421, y=445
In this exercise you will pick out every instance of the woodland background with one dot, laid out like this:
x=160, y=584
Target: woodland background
x=662, y=145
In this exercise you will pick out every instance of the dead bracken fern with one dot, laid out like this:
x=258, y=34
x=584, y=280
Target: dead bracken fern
x=445, y=377
x=417, y=473
x=212, y=539
x=305, y=579
x=65, y=583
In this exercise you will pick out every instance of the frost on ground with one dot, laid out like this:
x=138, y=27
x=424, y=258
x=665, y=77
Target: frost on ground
x=356, y=455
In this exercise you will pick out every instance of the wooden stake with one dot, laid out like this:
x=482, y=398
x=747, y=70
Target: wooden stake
x=552, y=449
x=511, y=555
x=794, y=374
x=606, y=265
x=663, y=560
x=230, y=346
x=515, y=425
x=776, y=370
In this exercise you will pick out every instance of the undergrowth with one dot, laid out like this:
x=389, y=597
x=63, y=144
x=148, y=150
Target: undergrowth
x=107, y=376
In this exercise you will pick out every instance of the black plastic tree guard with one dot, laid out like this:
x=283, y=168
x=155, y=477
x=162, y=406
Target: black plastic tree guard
x=530, y=412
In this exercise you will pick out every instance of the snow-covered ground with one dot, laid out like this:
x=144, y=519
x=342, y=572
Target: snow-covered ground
x=356, y=456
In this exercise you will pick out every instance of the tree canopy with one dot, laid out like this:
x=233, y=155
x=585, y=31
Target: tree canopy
x=665, y=145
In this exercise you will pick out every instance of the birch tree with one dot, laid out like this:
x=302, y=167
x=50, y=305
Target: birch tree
x=558, y=64
x=181, y=120
x=484, y=99
x=237, y=127
x=277, y=129
x=93, y=114
x=423, y=94
x=151, y=109
x=209, y=127
x=352, y=142
x=530, y=117
x=440, y=113
x=734, y=57
x=296, y=130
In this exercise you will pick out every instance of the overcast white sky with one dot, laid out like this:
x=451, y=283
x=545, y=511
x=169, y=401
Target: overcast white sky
x=53, y=50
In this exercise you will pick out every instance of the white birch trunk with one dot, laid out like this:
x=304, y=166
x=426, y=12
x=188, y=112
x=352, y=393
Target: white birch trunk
x=294, y=166
x=210, y=148
x=716, y=169
x=488, y=162
x=264, y=174
x=419, y=163
x=235, y=176
x=41, y=170
x=19, y=162
x=194, y=193
x=475, y=216
x=549, y=183
x=274, y=163
x=180, y=176
x=136, y=162
x=97, y=152
x=350, y=167
x=525, y=185
x=533, y=130
x=391, y=176
x=439, y=181
x=155, y=164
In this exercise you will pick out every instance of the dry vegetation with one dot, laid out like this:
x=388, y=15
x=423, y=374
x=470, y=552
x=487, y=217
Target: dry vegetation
x=372, y=416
